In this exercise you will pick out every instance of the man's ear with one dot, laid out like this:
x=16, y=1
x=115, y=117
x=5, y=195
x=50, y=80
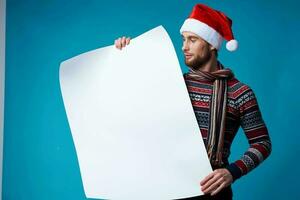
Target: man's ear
x=211, y=48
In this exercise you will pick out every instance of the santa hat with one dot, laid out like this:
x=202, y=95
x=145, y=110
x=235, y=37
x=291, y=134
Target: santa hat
x=211, y=25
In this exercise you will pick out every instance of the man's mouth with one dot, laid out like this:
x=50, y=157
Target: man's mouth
x=188, y=56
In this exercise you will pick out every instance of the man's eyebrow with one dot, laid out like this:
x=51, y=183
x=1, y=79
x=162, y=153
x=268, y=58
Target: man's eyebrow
x=193, y=37
x=190, y=37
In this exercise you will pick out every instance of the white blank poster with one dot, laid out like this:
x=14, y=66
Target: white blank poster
x=132, y=122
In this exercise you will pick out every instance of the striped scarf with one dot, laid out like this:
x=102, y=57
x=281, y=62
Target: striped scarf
x=217, y=112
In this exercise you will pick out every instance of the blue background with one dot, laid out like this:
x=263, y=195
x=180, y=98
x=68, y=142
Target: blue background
x=39, y=156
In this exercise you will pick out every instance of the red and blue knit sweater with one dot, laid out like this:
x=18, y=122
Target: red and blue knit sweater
x=242, y=110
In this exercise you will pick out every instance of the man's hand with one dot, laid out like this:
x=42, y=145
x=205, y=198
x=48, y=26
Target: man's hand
x=216, y=181
x=122, y=42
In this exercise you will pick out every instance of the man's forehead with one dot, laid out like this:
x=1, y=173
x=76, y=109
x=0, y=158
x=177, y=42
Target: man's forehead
x=188, y=34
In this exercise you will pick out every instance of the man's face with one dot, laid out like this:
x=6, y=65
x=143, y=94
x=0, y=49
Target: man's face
x=197, y=51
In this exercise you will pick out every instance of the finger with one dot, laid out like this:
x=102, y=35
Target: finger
x=123, y=42
x=211, y=175
x=214, y=179
x=128, y=40
x=118, y=43
x=214, y=186
x=218, y=189
x=211, y=179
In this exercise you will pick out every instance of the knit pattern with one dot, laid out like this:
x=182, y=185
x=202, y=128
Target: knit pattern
x=242, y=111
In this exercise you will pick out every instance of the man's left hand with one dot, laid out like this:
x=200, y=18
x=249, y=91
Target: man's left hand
x=216, y=181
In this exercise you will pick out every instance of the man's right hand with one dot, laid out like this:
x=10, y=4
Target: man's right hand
x=122, y=42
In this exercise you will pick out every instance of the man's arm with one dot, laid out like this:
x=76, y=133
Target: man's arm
x=258, y=139
x=256, y=133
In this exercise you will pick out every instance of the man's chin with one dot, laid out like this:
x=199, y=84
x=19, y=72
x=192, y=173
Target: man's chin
x=194, y=64
x=190, y=64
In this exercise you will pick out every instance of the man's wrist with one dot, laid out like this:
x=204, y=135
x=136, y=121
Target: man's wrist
x=234, y=171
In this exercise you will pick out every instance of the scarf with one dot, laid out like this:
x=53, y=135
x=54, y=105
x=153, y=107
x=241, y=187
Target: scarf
x=217, y=112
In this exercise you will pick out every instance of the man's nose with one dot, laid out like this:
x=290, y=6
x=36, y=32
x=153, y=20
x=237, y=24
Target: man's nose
x=184, y=46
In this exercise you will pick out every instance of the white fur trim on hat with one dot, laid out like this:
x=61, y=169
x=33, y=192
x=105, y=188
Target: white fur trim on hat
x=232, y=45
x=204, y=31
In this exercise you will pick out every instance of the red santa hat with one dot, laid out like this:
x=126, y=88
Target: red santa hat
x=211, y=25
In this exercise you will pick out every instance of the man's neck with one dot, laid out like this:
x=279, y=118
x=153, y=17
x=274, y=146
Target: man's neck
x=210, y=66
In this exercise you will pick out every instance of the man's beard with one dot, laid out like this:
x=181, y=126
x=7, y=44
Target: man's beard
x=197, y=63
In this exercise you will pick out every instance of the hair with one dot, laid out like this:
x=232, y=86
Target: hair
x=216, y=52
x=214, y=49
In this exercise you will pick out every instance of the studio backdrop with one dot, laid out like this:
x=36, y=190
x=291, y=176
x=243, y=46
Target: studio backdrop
x=39, y=158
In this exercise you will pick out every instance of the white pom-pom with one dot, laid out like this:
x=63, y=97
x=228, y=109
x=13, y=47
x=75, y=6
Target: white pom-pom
x=232, y=45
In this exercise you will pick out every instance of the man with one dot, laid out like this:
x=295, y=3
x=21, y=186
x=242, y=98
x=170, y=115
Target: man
x=221, y=102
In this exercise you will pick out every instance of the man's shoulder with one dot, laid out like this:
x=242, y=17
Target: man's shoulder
x=237, y=88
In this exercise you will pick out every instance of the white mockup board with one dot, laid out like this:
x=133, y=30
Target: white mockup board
x=132, y=122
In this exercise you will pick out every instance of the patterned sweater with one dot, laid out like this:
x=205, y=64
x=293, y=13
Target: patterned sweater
x=242, y=110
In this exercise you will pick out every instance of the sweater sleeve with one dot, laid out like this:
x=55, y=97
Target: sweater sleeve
x=256, y=132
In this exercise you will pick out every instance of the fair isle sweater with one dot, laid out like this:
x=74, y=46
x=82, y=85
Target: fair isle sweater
x=242, y=110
